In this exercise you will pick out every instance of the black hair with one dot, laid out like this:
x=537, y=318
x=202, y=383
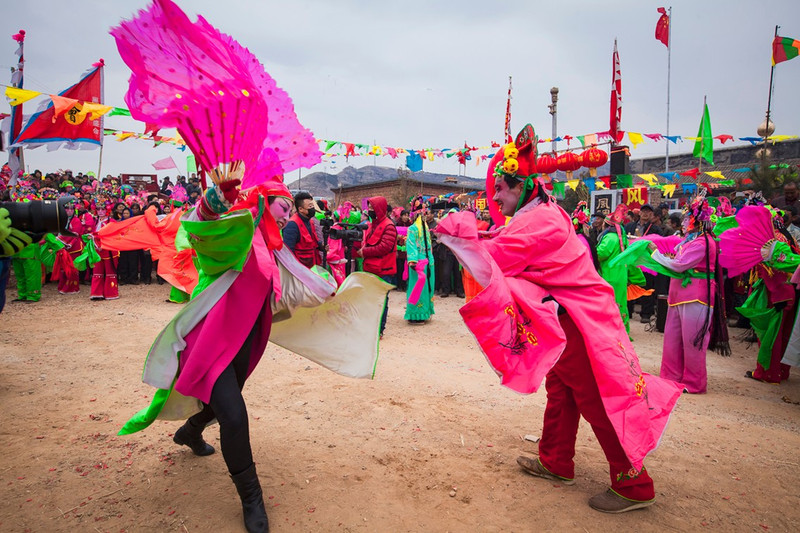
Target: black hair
x=300, y=197
x=675, y=219
x=646, y=207
x=538, y=189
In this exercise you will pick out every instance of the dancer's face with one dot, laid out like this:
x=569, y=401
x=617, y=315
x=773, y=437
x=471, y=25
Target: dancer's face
x=281, y=209
x=505, y=197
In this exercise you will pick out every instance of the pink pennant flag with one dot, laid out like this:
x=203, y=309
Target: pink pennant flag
x=164, y=164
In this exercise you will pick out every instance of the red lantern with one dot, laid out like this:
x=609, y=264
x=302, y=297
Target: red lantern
x=568, y=162
x=593, y=158
x=546, y=164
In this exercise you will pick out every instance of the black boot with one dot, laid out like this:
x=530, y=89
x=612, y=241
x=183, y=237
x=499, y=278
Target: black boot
x=189, y=436
x=249, y=489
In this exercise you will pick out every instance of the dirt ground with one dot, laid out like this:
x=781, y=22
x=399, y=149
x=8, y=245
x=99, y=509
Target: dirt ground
x=428, y=445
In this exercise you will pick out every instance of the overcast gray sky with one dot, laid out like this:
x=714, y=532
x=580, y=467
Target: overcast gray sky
x=418, y=74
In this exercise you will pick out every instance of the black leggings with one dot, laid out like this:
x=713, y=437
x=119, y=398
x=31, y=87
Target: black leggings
x=228, y=407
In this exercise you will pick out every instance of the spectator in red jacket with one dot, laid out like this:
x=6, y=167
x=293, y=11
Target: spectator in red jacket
x=379, y=248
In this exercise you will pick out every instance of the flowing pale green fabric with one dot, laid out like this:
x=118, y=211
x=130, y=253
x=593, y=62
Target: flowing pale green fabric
x=638, y=254
x=220, y=245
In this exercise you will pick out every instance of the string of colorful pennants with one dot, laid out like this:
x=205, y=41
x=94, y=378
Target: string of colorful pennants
x=61, y=105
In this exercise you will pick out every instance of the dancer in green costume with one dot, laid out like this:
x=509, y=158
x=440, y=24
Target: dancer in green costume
x=610, y=244
x=418, y=251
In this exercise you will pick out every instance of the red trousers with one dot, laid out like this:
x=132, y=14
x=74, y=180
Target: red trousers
x=104, y=276
x=571, y=393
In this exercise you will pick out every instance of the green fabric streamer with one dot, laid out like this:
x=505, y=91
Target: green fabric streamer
x=624, y=181
x=766, y=321
x=147, y=416
x=191, y=165
x=329, y=145
x=119, y=111
x=639, y=254
x=558, y=188
x=582, y=139
x=89, y=257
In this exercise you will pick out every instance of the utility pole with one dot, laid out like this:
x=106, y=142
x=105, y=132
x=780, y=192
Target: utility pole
x=552, y=107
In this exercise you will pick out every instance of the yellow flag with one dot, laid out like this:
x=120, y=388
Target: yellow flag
x=779, y=138
x=96, y=110
x=669, y=190
x=649, y=178
x=636, y=138
x=19, y=96
x=599, y=184
x=695, y=139
x=573, y=184
x=716, y=174
x=122, y=135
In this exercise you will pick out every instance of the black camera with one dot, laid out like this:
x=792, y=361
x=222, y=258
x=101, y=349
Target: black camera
x=39, y=216
x=350, y=232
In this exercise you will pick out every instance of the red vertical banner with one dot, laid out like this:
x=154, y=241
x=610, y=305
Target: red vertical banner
x=634, y=197
x=615, y=121
x=68, y=126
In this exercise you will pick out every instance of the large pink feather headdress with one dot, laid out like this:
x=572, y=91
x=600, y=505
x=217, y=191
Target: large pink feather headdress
x=229, y=111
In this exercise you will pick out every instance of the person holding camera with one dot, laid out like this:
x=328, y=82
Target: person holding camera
x=379, y=248
x=300, y=235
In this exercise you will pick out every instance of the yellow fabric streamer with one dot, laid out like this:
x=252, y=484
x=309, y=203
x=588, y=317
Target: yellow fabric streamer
x=573, y=184
x=19, y=96
x=636, y=138
x=716, y=174
x=122, y=135
x=96, y=110
x=430, y=155
x=651, y=179
x=779, y=138
x=668, y=190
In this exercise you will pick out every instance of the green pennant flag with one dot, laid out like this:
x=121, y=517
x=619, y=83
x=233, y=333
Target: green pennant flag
x=624, y=181
x=329, y=145
x=704, y=146
x=109, y=132
x=118, y=111
x=582, y=139
x=558, y=188
x=191, y=165
x=727, y=183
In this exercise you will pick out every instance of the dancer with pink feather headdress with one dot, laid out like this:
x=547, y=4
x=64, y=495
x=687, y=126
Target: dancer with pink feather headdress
x=243, y=131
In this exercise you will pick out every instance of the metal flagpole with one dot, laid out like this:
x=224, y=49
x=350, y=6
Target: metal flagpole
x=16, y=159
x=769, y=99
x=669, y=60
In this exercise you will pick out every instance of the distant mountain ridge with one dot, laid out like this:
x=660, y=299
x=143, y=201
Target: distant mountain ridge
x=323, y=184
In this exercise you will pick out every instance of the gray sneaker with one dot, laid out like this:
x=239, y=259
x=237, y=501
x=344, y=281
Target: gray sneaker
x=534, y=467
x=611, y=502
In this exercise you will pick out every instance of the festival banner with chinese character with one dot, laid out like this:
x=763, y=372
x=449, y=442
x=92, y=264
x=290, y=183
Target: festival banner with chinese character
x=603, y=202
x=63, y=122
x=634, y=197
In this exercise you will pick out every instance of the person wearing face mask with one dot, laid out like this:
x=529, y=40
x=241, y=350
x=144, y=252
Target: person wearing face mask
x=379, y=248
x=545, y=311
x=300, y=234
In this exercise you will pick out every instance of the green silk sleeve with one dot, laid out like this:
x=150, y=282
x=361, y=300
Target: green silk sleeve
x=784, y=259
x=607, y=245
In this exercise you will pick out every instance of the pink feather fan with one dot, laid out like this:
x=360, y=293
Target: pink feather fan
x=740, y=247
x=225, y=106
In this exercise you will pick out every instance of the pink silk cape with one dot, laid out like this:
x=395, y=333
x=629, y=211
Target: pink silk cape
x=538, y=254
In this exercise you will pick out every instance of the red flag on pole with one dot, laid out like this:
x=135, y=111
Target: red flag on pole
x=616, y=99
x=15, y=159
x=56, y=127
x=662, y=27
